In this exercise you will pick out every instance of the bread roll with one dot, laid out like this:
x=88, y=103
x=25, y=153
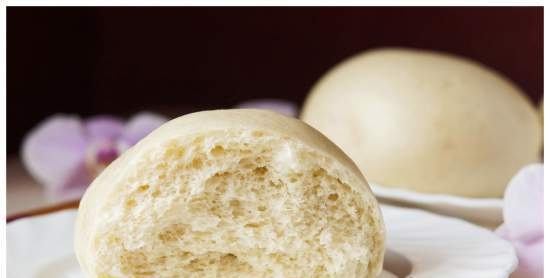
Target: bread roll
x=541, y=111
x=231, y=193
x=541, y=116
x=426, y=121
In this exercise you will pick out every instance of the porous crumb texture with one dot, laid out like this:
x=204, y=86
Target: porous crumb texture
x=237, y=204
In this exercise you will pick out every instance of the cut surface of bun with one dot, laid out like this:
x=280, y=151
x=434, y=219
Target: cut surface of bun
x=231, y=193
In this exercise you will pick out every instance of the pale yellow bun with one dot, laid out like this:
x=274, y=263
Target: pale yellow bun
x=541, y=110
x=426, y=121
x=231, y=193
x=541, y=116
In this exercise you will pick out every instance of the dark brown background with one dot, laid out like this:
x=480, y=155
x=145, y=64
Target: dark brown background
x=175, y=60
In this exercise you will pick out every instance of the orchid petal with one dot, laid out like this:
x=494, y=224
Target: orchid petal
x=75, y=185
x=104, y=127
x=524, y=203
x=282, y=106
x=140, y=126
x=54, y=150
x=531, y=259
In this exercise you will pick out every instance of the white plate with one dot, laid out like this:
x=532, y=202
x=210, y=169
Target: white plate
x=419, y=244
x=482, y=211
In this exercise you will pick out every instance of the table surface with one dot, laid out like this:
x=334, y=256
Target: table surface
x=23, y=193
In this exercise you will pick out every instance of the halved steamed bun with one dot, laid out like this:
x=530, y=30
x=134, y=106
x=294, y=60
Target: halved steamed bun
x=231, y=193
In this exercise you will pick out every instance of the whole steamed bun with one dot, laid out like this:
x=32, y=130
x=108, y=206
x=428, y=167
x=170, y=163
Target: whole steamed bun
x=426, y=121
x=231, y=193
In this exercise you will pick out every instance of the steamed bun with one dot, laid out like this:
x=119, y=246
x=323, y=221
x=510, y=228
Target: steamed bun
x=426, y=121
x=231, y=193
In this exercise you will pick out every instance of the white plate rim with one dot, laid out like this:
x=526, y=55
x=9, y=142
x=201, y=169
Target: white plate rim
x=418, y=268
x=483, y=211
x=408, y=195
x=403, y=213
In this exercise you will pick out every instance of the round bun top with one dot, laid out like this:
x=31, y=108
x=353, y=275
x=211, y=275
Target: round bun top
x=426, y=121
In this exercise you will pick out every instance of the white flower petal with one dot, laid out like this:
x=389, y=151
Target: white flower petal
x=524, y=203
x=140, y=126
x=54, y=150
x=278, y=105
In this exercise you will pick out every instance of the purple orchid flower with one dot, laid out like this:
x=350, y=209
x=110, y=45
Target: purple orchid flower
x=65, y=153
x=278, y=105
x=524, y=220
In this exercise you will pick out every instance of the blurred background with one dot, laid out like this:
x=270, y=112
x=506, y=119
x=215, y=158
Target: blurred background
x=175, y=60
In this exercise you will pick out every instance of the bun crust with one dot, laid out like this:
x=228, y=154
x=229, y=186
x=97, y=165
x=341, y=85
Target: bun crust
x=231, y=193
x=426, y=121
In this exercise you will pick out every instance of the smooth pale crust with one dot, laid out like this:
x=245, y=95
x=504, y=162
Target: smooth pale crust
x=541, y=110
x=541, y=115
x=105, y=188
x=426, y=121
